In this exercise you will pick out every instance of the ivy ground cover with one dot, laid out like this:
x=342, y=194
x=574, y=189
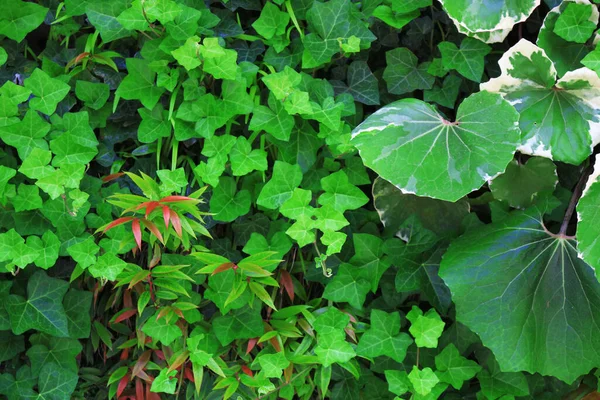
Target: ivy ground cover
x=299, y=199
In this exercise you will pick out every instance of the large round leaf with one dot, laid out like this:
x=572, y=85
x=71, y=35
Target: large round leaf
x=413, y=146
x=488, y=20
x=566, y=55
x=527, y=295
x=588, y=215
x=559, y=119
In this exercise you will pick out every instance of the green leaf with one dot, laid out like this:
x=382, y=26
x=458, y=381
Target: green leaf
x=60, y=351
x=35, y=165
x=108, y=266
x=334, y=241
x=333, y=348
x=19, y=18
x=42, y=310
x=11, y=345
x=329, y=21
x=172, y=180
x=103, y=16
x=565, y=55
x=47, y=249
x=140, y=83
x=331, y=321
x=362, y=84
x=468, y=60
x=453, y=368
x=163, y=329
x=393, y=19
x=523, y=296
x=588, y=228
x=245, y=323
x=245, y=160
x=77, y=305
x=272, y=365
x=576, y=23
x=56, y=383
x=94, y=95
x=340, y=193
x=26, y=135
x=271, y=21
x=222, y=67
x=383, y=338
x=48, y=91
x=274, y=120
x=423, y=380
x=279, y=188
x=447, y=94
x=302, y=231
x=28, y=198
x=78, y=144
x=403, y=74
x=406, y=140
x=188, y=55
x=528, y=81
x=426, y=328
x=219, y=289
x=348, y=286
x=483, y=23
x=521, y=183
x=397, y=381
x=369, y=258
x=165, y=382
x=227, y=203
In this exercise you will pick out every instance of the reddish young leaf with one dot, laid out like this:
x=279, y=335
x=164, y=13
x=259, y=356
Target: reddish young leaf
x=149, y=206
x=139, y=390
x=288, y=372
x=122, y=385
x=275, y=343
x=166, y=215
x=176, y=222
x=154, y=229
x=141, y=363
x=112, y=177
x=176, y=199
x=223, y=268
x=126, y=315
x=117, y=222
x=150, y=395
x=127, y=302
x=286, y=282
x=137, y=232
x=159, y=354
x=247, y=371
x=187, y=372
x=124, y=354
x=251, y=343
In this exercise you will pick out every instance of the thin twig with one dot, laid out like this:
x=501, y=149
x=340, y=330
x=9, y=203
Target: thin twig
x=577, y=192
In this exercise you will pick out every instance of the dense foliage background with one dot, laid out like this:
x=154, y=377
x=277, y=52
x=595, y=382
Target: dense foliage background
x=299, y=199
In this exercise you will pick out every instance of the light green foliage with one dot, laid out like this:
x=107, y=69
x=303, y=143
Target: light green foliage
x=575, y=23
x=425, y=328
x=467, y=60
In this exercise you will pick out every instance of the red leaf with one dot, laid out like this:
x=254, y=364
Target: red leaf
x=124, y=354
x=112, y=177
x=117, y=222
x=137, y=232
x=188, y=374
x=166, y=215
x=139, y=390
x=159, y=354
x=286, y=281
x=126, y=315
x=251, y=343
x=176, y=223
x=152, y=228
x=150, y=395
x=149, y=205
x=275, y=343
x=127, y=302
x=247, y=371
x=140, y=364
x=122, y=385
x=176, y=199
x=223, y=268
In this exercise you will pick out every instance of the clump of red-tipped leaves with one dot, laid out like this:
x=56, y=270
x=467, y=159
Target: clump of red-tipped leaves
x=164, y=217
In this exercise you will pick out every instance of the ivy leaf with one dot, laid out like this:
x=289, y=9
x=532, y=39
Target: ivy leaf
x=403, y=74
x=35, y=165
x=46, y=248
x=19, y=18
x=298, y=205
x=94, y=95
x=59, y=351
x=453, y=368
x=219, y=289
x=329, y=21
x=26, y=135
x=42, y=310
x=334, y=241
x=78, y=144
x=485, y=25
x=415, y=133
x=468, y=60
x=362, y=84
x=340, y=193
x=172, y=180
x=279, y=188
x=11, y=345
x=528, y=81
x=576, y=23
x=272, y=365
x=188, y=55
x=103, y=15
x=446, y=94
x=521, y=183
x=244, y=323
x=165, y=382
x=223, y=66
x=383, y=338
x=332, y=348
x=140, y=83
x=271, y=22
x=545, y=270
x=369, y=258
x=331, y=321
x=55, y=382
x=587, y=227
x=279, y=243
x=163, y=329
x=28, y=198
x=397, y=381
x=77, y=305
x=108, y=266
x=423, y=380
x=274, y=120
x=245, y=160
x=302, y=231
x=426, y=328
x=348, y=286
x=227, y=203
x=48, y=91
x=565, y=55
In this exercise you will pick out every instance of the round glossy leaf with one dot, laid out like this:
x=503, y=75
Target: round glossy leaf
x=414, y=147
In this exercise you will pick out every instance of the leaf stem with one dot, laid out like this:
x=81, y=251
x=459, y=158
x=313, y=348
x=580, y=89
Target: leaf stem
x=577, y=192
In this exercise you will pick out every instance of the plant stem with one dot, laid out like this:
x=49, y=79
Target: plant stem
x=577, y=192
